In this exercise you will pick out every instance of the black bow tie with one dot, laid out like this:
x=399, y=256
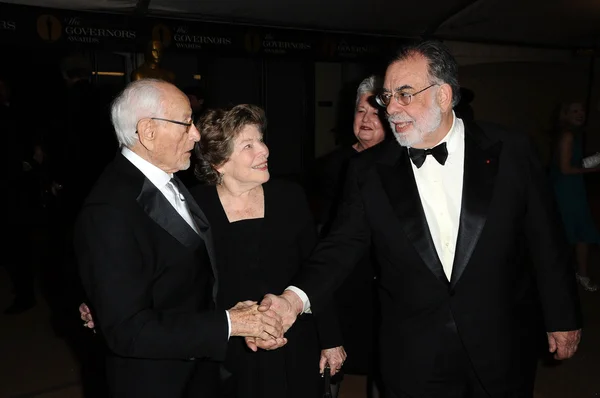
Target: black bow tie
x=440, y=153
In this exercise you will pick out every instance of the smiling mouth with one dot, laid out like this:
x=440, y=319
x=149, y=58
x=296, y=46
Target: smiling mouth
x=263, y=166
x=401, y=126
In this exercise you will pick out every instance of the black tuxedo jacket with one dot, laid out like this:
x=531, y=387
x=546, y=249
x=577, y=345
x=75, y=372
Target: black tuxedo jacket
x=149, y=280
x=509, y=247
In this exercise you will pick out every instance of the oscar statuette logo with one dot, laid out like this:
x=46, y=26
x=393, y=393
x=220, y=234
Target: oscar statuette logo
x=252, y=42
x=49, y=28
x=328, y=48
x=162, y=33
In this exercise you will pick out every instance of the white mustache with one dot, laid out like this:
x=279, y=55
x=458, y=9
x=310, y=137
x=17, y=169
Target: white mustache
x=397, y=118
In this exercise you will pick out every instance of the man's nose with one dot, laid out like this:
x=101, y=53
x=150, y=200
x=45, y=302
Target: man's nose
x=194, y=133
x=393, y=107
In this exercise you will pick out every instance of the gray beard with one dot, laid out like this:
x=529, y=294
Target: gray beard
x=433, y=121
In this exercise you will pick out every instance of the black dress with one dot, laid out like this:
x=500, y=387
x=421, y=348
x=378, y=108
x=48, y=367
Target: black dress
x=259, y=256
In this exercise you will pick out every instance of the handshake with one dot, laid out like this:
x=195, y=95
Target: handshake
x=282, y=310
x=262, y=325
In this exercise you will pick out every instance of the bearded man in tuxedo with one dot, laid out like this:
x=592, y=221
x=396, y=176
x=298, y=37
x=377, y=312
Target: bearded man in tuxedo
x=467, y=239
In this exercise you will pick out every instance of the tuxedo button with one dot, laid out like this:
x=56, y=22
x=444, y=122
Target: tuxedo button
x=192, y=359
x=451, y=292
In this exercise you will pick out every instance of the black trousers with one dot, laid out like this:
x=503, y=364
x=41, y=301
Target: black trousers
x=19, y=262
x=453, y=376
x=467, y=386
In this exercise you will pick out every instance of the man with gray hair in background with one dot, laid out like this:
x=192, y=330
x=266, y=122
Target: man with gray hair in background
x=146, y=259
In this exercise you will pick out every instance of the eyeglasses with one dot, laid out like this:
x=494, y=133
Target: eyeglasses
x=186, y=124
x=402, y=97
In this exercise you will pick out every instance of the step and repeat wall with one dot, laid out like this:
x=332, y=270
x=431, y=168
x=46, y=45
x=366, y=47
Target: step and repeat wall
x=278, y=69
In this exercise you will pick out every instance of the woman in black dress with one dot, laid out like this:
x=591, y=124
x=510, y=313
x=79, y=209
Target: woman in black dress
x=263, y=230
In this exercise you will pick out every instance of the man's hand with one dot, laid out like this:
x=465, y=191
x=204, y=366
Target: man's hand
x=255, y=343
x=564, y=344
x=287, y=306
x=334, y=357
x=248, y=321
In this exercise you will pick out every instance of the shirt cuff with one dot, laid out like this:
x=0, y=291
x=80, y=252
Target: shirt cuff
x=228, y=325
x=303, y=297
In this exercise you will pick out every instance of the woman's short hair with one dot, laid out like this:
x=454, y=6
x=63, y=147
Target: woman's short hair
x=370, y=85
x=218, y=129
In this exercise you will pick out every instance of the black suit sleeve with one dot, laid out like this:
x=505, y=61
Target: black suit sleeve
x=328, y=326
x=337, y=253
x=328, y=184
x=118, y=281
x=549, y=252
x=330, y=334
x=331, y=183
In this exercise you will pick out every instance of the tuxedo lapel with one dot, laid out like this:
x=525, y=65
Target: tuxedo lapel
x=197, y=213
x=203, y=228
x=160, y=210
x=480, y=169
x=399, y=183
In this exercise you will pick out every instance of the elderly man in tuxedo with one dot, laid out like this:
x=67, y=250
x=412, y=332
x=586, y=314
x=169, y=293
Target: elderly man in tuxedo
x=467, y=239
x=146, y=257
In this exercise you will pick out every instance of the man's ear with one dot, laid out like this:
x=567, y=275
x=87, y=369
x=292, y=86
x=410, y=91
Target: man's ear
x=445, y=97
x=146, y=132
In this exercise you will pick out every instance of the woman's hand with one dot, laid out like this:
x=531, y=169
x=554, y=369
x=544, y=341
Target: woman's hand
x=334, y=357
x=86, y=316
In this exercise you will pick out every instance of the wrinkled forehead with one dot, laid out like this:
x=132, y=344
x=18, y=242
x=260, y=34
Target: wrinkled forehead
x=176, y=102
x=411, y=72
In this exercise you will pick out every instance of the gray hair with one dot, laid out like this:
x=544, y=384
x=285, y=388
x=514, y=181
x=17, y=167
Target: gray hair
x=442, y=66
x=370, y=85
x=140, y=99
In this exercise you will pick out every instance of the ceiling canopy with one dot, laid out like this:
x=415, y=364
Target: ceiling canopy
x=543, y=23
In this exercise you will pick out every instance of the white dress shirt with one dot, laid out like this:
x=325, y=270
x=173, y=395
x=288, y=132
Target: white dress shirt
x=440, y=190
x=162, y=181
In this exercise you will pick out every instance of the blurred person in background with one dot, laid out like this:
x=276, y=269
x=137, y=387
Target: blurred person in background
x=567, y=174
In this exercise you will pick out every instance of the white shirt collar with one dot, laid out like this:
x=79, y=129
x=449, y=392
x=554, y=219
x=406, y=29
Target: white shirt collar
x=452, y=138
x=156, y=176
